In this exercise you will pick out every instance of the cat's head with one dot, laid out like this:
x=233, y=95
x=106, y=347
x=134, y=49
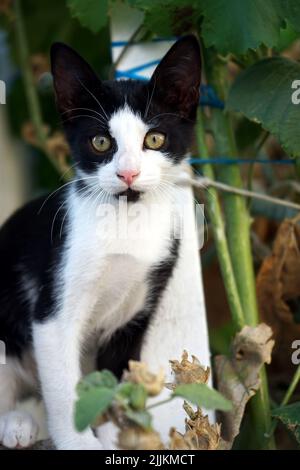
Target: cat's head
x=129, y=136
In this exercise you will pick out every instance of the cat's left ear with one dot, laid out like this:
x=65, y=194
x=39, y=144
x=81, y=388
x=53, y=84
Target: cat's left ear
x=73, y=78
x=176, y=80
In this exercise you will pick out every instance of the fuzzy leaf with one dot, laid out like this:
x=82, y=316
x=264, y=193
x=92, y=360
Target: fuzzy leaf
x=97, y=379
x=236, y=26
x=203, y=396
x=290, y=416
x=142, y=418
x=263, y=93
x=91, y=404
x=91, y=13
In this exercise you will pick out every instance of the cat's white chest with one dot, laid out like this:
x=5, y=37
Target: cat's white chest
x=112, y=268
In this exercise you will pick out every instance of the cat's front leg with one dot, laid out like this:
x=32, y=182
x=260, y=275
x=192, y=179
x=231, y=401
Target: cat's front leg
x=57, y=351
x=179, y=324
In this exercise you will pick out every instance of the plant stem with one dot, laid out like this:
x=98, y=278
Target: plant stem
x=286, y=398
x=238, y=235
x=30, y=89
x=215, y=214
x=159, y=403
x=292, y=387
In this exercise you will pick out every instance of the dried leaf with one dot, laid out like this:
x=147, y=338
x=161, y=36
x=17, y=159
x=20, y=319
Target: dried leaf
x=187, y=372
x=199, y=435
x=58, y=146
x=135, y=438
x=238, y=376
x=278, y=292
x=139, y=373
x=5, y=6
x=29, y=134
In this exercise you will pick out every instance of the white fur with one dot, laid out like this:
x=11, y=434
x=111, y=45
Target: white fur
x=101, y=284
x=17, y=429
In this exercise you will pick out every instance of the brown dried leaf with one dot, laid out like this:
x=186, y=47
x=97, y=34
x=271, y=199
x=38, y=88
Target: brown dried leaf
x=5, y=6
x=29, y=134
x=199, y=435
x=278, y=292
x=134, y=438
x=238, y=376
x=140, y=374
x=187, y=372
x=58, y=146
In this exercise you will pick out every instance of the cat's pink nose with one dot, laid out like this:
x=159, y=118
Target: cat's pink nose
x=128, y=176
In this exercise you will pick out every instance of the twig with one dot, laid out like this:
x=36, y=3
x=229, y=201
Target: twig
x=30, y=90
x=200, y=182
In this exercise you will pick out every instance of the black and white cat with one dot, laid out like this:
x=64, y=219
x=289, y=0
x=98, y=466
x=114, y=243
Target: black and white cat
x=71, y=287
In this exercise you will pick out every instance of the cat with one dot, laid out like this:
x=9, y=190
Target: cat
x=75, y=296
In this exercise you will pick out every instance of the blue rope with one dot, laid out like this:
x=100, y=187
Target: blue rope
x=239, y=161
x=125, y=43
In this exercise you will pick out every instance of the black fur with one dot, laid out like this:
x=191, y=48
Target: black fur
x=126, y=343
x=32, y=245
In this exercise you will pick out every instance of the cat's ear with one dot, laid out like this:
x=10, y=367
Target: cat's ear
x=72, y=77
x=176, y=80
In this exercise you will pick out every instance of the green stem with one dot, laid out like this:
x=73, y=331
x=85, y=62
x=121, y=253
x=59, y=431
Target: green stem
x=238, y=235
x=159, y=403
x=286, y=398
x=237, y=218
x=30, y=89
x=292, y=387
x=215, y=214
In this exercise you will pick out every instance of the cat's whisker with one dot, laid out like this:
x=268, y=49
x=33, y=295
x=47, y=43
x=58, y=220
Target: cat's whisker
x=85, y=109
x=93, y=96
x=171, y=114
x=81, y=191
x=61, y=187
x=54, y=218
x=150, y=101
x=68, y=170
x=82, y=116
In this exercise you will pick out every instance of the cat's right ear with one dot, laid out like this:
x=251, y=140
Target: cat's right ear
x=72, y=77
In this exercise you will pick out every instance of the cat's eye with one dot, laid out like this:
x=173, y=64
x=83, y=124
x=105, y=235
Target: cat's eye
x=101, y=143
x=154, y=140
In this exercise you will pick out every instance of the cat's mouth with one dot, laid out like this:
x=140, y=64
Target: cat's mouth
x=130, y=194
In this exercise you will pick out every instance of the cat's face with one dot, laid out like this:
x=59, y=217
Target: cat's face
x=128, y=136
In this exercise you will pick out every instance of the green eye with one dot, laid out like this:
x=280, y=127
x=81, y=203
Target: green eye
x=101, y=143
x=154, y=140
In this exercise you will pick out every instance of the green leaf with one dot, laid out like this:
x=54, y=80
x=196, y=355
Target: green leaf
x=263, y=93
x=236, y=26
x=91, y=13
x=203, y=396
x=142, y=418
x=97, y=379
x=125, y=389
x=176, y=16
x=138, y=397
x=290, y=416
x=290, y=10
x=91, y=404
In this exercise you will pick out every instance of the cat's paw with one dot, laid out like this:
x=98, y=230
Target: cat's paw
x=18, y=430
